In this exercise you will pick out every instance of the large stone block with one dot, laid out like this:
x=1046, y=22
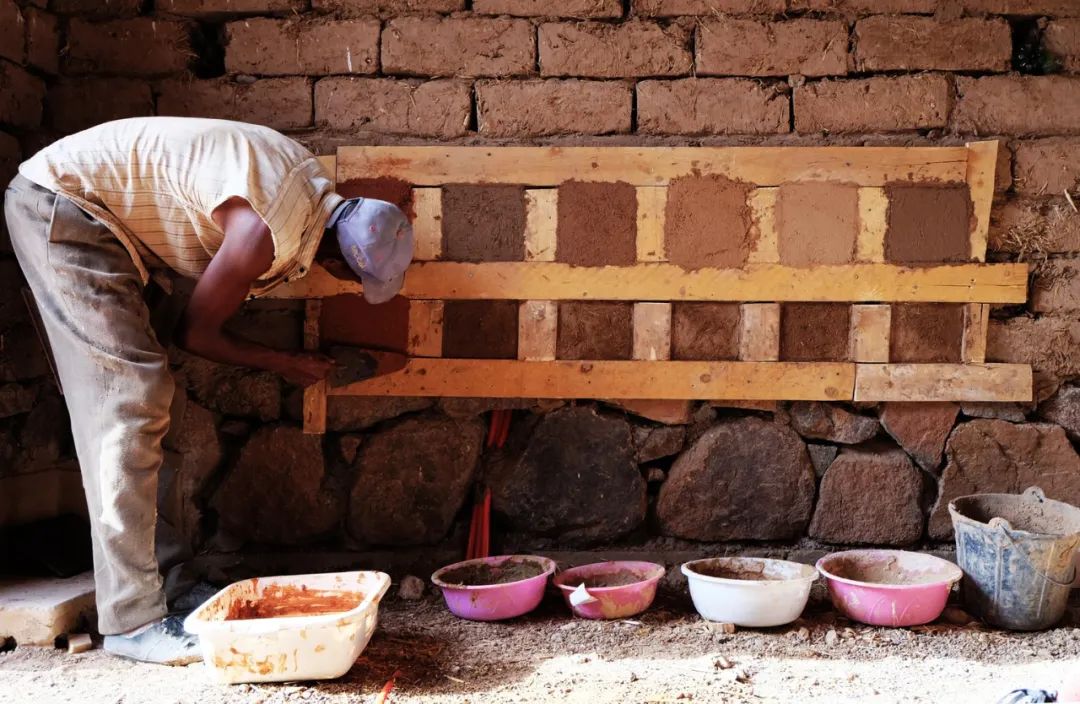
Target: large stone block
x=413, y=479
x=921, y=429
x=743, y=480
x=995, y=456
x=230, y=390
x=823, y=421
x=36, y=611
x=1063, y=408
x=193, y=454
x=576, y=480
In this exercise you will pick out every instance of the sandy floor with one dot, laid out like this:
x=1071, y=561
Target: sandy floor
x=669, y=655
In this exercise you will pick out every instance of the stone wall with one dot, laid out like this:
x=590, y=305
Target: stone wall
x=397, y=473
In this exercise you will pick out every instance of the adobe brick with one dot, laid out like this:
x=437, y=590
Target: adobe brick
x=601, y=50
x=97, y=9
x=1018, y=105
x=427, y=46
x=1039, y=342
x=12, y=32
x=423, y=108
x=1062, y=40
x=1053, y=8
x=1046, y=166
x=547, y=107
x=281, y=103
x=1055, y=287
x=272, y=47
x=220, y=8
x=75, y=104
x=132, y=47
x=742, y=47
x=880, y=104
x=865, y=7
x=23, y=93
x=900, y=43
x=674, y=8
x=42, y=40
x=386, y=8
x=700, y=106
x=584, y=9
x=1021, y=226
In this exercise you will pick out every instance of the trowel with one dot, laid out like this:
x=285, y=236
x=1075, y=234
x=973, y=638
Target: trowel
x=360, y=363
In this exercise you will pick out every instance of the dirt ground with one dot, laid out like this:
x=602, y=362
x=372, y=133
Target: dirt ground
x=668, y=655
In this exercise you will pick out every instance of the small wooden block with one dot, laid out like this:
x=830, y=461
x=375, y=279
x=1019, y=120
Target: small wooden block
x=538, y=329
x=943, y=382
x=329, y=162
x=760, y=338
x=79, y=643
x=667, y=412
x=541, y=220
x=652, y=331
x=652, y=201
x=767, y=406
x=870, y=326
x=314, y=395
x=981, y=165
x=976, y=323
x=427, y=227
x=425, y=328
x=870, y=243
x=762, y=202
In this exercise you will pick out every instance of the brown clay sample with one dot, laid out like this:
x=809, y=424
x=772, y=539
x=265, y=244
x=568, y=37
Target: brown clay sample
x=595, y=330
x=705, y=331
x=348, y=319
x=817, y=223
x=392, y=190
x=597, y=224
x=928, y=223
x=480, y=329
x=707, y=223
x=478, y=574
x=926, y=332
x=814, y=332
x=483, y=223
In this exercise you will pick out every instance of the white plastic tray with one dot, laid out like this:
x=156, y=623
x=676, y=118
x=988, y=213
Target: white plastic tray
x=280, y=649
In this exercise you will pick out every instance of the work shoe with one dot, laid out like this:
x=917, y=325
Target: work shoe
x=162, y=642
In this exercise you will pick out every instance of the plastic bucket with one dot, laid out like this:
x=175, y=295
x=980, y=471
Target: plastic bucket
x=1016, y=551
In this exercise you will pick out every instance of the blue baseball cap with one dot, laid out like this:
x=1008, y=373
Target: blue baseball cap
x=376, y=240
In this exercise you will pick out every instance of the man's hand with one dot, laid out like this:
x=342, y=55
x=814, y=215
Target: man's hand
x=306, y=368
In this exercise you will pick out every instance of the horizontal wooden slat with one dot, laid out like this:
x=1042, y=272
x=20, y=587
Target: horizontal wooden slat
x=943, y=382
x=652, y=166
x=748, y=381
x=855, y=283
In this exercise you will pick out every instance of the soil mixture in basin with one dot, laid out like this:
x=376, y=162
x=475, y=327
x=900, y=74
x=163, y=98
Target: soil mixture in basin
x=480, y=574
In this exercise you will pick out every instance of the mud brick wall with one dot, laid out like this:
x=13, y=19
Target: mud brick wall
x=401, y=472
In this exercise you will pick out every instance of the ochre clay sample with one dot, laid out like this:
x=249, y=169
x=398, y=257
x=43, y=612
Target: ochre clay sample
x=348, y=319
x=705, y=331
x=928, y=223
x=595, y=330
x=926, y=332
x=814, y=332
x=707, y=223
x=483, y=223
x=480, y=329
x=817, y=223
x=597, y=224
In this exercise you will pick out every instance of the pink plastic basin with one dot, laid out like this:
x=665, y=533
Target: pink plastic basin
x=494, y=602
x=616, y=600
x=888, y=587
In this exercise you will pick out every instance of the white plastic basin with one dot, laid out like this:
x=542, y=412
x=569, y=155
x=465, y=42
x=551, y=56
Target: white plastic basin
x=749, y=591
x=300, y=644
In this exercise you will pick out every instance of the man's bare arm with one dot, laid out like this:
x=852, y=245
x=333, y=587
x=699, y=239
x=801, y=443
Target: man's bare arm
x=244, y=256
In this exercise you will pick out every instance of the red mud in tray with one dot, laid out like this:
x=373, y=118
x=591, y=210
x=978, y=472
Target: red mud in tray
x=817, y=223
x=597, y=224
x=480, y=329
x=705, y=331
x=928, y=223
x=595, y=330
x=814, y=332
x=926, y=332
x=707, y=223
x=288, y=600
x=483, y=223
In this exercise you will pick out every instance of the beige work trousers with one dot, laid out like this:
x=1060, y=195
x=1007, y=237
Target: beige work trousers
x=116, y=383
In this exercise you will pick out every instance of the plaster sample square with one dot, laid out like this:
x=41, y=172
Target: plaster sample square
x=483, y=223
x=597, y=224
x=814, y=332
x=817, y=223
x=705, y=331
x=707, y=223
x=392, y=190
x=595, y=330
x=480, y=329
x=926, y=332
x=928, y=224
x=349, y=319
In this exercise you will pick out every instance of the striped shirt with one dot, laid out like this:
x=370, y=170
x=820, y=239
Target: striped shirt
x=154, y=182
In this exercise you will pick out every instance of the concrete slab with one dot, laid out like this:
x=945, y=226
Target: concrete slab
x=34, y=611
